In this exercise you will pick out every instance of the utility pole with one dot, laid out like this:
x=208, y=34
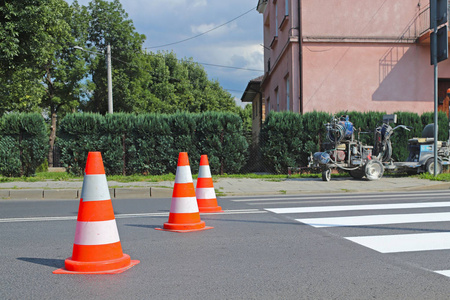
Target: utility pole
x=439, y=52
x=110, y=96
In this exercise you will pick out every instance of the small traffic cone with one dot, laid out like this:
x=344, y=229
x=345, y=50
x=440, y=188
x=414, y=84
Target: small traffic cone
x=184, y=215
x=97, y=248
x=206, y=196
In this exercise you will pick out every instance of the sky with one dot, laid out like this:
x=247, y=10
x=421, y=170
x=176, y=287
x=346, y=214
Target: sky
x=236, y=44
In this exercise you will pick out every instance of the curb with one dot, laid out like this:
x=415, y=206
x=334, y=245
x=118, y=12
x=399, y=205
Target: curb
x=74, y=194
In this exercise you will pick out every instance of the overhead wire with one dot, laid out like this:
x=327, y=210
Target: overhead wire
x=230, y=67
x=203, y=33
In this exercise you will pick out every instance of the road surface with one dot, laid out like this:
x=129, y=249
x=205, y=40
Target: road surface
x=341, y=246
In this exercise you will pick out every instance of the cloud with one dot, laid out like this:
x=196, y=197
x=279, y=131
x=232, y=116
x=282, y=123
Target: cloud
x=235, y=44
x=198, y=3
x=202, y=28
x=248, y=55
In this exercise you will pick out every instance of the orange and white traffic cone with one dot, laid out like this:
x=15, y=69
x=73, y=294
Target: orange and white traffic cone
x=97, y=248
x=184, y=215
x=206, y=196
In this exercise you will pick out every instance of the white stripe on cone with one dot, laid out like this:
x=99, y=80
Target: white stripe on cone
x=183, y=174
x=96, y=233
x=205, y=193
x=95, y=188
x=204, y=172
x=184, y=205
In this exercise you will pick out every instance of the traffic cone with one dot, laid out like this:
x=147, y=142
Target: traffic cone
x=206, y=196
x=97, y=248
x=184, y=215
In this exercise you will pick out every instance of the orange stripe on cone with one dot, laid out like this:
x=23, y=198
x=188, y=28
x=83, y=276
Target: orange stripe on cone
x=95, y=211
x=206, y=196
x=97, y=248
x=183, y=190
x=184, y=215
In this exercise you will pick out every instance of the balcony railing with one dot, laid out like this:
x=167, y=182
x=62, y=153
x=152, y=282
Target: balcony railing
x=423, y=21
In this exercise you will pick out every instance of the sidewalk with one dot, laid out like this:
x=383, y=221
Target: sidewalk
x=59, y=190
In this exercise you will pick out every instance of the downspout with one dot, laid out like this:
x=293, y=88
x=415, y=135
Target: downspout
x=300, y=54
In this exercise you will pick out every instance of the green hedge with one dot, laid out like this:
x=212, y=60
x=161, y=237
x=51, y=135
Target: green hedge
x=288, y=139
x=150, y=143
x=23, y=143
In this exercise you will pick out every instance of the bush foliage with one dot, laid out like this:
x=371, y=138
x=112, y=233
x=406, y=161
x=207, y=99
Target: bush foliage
x=150, y=143
x=23, y=143
x=288, y=139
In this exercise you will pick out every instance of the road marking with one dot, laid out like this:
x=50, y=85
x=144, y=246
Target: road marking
x=442, y=194
x=398, y=243
x=311, y=209
x=444, y=272
x=125, y=216
x=405, y=242
x=376, y=220
x=37, y=219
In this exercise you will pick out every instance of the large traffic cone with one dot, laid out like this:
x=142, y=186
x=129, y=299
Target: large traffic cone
x=184, y=215
x=97, y=248
x=206, y=196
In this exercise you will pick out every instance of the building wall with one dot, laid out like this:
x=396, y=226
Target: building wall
x=379, y=77
x=281, y=56
x=359, y=18
x=357, y=55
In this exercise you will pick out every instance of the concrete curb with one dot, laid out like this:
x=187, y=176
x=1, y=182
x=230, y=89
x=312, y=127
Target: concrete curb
x=54, y=191
x=74, y=194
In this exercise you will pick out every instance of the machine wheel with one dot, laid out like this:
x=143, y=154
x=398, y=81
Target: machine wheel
x=374, y=169
x=429, y=166
x=326, y=175
x=357, y=174
x=387, y=154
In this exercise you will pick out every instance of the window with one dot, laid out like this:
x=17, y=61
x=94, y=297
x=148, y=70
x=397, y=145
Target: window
x=277, y=95
x=287, y=95
x=286, y=8
x=276, y=19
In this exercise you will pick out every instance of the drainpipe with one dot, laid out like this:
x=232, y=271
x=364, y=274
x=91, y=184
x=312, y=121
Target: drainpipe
x=300, y=54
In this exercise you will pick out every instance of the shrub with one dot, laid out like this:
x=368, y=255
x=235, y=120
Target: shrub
x=23, y=143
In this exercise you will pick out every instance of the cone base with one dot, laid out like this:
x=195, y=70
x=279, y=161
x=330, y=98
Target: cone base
x=114, y=266
x=185, y=230
x=210, y=209
x=186, y=227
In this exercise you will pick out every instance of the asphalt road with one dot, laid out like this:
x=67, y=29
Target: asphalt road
x=256, y=250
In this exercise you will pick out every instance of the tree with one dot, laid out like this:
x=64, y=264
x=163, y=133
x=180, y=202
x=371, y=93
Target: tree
x=64, y=68
x=40, y=70
x=37, y=54
x=108, y=24
x=21, y=45
x=173, y=85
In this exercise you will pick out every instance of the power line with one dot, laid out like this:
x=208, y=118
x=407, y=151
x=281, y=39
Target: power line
x=181, y=60
x=231, y=90
x=203, y=33
x=230, y=67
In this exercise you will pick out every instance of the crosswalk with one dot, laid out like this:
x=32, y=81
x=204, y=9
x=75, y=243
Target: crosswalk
x=428, y=222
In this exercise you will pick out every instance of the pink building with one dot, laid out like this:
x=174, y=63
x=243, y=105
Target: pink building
x=355, y=55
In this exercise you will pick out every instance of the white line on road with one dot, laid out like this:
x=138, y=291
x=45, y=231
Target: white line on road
x=444, y=272
x=444, y=194
x=405, y=242
x=124, y=216
x=312, y=209
x=376, y=220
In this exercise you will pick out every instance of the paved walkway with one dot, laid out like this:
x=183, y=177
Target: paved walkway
x=224, y=187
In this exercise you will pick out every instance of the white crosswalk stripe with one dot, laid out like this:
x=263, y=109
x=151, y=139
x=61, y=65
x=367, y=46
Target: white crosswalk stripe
x=363, y=217
x=377, y=220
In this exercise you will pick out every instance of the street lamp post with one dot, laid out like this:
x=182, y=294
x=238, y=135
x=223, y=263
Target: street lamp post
x=109, y=73
x=110, y=96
